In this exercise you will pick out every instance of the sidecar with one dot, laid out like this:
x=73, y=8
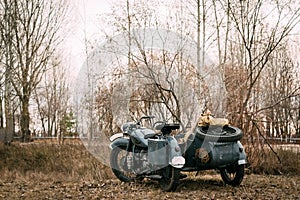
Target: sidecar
x=215, y=146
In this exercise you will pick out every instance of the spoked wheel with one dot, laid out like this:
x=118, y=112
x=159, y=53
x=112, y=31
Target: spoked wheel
x=170, y=178
x=119, y=166
x=233, y=175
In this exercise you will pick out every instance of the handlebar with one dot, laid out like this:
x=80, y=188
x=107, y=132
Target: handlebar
x=147, y=117
x=144, y=117
x=162, y=126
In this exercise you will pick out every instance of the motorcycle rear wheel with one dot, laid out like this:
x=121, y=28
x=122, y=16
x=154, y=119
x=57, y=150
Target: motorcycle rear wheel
x=170, y=178
x=117, y=164
x=233, y=175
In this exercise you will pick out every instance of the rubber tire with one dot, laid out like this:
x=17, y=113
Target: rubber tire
x=237, y=170
x=220, y=138
x=170, y=179
x=115, y=167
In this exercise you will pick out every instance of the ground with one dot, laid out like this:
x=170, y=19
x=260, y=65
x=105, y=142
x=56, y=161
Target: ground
x=209, y=186
x=52, y=171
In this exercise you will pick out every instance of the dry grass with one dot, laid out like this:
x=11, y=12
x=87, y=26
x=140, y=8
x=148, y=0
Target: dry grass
x=74, y=161
x=266, y=161
x=51, y=171
x=71, y=161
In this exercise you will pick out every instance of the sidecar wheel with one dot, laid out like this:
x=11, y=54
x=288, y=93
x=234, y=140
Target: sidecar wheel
x=170, y=178
x=117, y=164
x=233, y=175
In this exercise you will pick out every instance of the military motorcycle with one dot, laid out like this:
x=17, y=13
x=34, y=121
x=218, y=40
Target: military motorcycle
x=140, y=152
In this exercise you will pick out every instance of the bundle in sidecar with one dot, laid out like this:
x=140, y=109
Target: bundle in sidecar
x=217, y=129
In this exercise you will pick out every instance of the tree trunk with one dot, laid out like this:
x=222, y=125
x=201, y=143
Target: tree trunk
x=198, y=35
x=8, y=107
x=25, y=119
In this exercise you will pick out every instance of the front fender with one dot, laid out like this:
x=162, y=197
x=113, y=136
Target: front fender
x=121, y=142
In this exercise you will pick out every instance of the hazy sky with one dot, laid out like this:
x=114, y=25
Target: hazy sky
x=83, y=22
x=84, y=19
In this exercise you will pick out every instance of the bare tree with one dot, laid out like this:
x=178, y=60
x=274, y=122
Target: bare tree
x=258, y=40
x=279, y=91
x=52, y=97
x=33, y=26
x=154, y=70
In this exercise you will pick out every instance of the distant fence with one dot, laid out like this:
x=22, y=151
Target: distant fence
x=290, y=144
x=47, y=138
x=286, y=144
x=267, y=140
x=283, y=140
x=52, y=140
x=288, y=147
x=273, y=140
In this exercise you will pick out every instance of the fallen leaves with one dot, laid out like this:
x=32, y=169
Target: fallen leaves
x=253, y=187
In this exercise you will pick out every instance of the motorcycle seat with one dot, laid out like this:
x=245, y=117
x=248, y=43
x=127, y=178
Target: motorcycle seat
x=151, y=135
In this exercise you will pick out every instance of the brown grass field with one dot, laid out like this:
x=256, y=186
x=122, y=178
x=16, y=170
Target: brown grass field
x=51, y=171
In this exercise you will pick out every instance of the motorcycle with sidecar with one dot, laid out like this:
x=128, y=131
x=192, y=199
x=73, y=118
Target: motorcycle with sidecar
x=140, y=152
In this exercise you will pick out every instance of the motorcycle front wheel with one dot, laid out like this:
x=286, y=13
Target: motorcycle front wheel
x=233, y=175
x=170, y=178
x=118, y=164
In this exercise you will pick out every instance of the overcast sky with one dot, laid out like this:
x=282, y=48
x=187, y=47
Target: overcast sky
x=83, y=21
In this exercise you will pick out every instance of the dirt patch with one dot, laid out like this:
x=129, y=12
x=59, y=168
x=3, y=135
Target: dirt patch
x=202, y=187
